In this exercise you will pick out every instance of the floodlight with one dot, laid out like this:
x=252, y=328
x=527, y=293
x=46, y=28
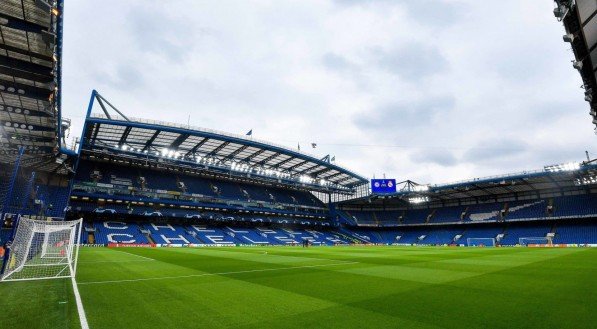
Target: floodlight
x=587, y=180
x=420, y=199
x=421, y=188
x=577, y=65
x=571, y=166
x=568, y=37
x=560, y=11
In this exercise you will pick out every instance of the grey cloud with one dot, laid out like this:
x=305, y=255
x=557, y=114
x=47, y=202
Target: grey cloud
x=347, y=69
x=431, y=73
x=155, y=32
x=435, y=13
x=441, y=157
x=412, y=61
x=492, y=150
x=336, y=62
x=548, y=111
x=562, y=153
x=125, y=77
x=405, y=115
x=527, y=65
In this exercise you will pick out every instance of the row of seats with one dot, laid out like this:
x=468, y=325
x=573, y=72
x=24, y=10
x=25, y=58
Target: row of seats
x=31, y=197
x=505, y=234
x=121, y=232
x=578, y=205
x=124, y=176
x=115, y=209
x=574, y=233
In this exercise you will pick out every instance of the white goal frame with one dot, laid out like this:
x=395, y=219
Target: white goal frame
x=544, y=240
x=490, y=240
x=42, y=250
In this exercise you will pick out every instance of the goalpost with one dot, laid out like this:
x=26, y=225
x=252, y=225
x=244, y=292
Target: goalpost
x=42, y=250
x=480, y=242
x=526, y=241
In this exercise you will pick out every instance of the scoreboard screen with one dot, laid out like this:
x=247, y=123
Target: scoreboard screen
x=383, y=185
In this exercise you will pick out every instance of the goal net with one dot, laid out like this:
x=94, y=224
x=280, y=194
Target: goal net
x=526, y=241
x=480, y=242
x=42, y=250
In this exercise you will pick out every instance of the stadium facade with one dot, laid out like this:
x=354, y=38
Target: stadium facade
x=148, y=183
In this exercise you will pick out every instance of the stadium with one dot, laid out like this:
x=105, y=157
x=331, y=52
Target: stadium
x=142, y=223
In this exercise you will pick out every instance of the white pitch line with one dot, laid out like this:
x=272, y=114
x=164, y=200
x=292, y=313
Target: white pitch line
x=80, y=309
x=220, y=273
x=117, y=261
x=126, y=252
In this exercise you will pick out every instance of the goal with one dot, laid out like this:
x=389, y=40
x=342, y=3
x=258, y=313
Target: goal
x=480, y=242
x=526, y=241
x=42, y=250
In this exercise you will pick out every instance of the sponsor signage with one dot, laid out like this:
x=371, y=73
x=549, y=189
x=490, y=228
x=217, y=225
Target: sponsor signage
x=140, y=245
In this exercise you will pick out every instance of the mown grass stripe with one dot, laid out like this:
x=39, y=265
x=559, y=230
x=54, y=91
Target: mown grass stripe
x=219, y=273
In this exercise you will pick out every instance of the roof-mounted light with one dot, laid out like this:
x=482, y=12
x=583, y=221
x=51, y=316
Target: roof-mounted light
x=568, y=37
x=419, y=199
x=561, y=9
x=570, y=166
x=586, y=180
x=577, y=65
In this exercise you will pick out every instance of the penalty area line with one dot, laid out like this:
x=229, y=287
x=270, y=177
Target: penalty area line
x=219, y=273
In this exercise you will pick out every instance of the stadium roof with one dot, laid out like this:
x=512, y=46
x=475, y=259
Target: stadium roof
x=30, y=66
x=580, y=20
x=209, y=148
x=558, y=179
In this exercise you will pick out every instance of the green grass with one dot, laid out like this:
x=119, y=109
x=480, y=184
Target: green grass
x=321, y=287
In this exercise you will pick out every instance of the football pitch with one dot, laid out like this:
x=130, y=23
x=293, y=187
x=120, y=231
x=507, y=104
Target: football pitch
x=318, y=287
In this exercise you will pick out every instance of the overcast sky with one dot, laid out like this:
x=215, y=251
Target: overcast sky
x=433, y=91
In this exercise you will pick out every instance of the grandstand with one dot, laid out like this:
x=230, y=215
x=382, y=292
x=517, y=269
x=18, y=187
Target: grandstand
x=35, y=163
x=139, y=169
x=149, y=172
x=160, y=185
x=578, y=19
x=512, y=206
